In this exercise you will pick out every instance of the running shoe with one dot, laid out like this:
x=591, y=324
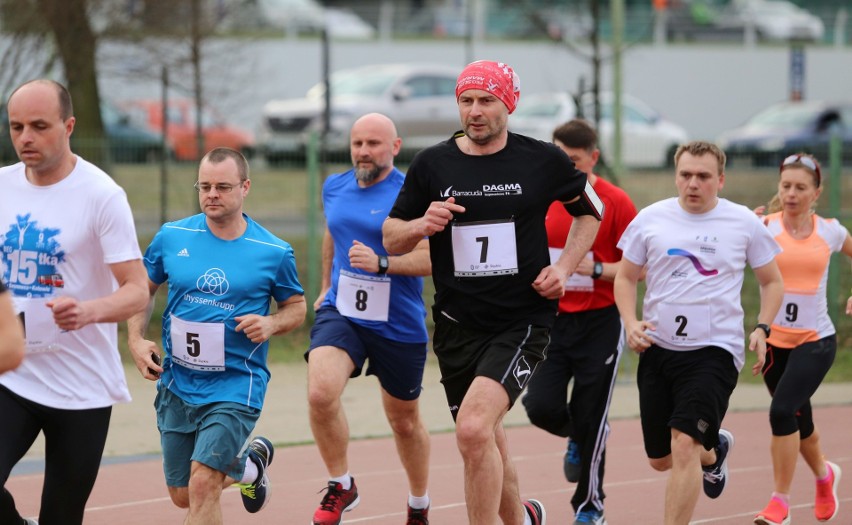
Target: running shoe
x=826, y=503
x=571, y=462
x=775, y=513
x=335, y=502
x=256, y=495
x=716, y=475
x=536, y=511
x=418, y=516
x=594, y=517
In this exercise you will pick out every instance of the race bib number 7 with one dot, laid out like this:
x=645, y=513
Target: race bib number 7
x=483, y=249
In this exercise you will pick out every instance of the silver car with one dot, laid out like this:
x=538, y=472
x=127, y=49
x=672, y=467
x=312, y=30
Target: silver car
x=419, y=98
x=648, y=139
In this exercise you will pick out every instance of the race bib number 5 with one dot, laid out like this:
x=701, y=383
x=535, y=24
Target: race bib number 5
x=199, y=346
x=483, y=249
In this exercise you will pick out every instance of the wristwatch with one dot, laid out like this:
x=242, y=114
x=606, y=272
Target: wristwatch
x=383, y=264
x=764, y=327
x=597, y=271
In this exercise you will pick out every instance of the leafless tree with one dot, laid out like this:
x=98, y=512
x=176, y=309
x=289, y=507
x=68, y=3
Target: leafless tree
x=44, y=33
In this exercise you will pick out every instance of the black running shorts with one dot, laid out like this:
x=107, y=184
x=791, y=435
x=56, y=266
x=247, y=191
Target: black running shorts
x=509, y=357
x=685, y=390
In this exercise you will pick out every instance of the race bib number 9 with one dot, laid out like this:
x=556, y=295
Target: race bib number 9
x=798, y=311
x=363, y=296
x=483, y=249
x=683, y=324
x=199, y=346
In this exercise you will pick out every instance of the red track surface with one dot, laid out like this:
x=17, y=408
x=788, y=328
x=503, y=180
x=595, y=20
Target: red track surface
x=134, y=493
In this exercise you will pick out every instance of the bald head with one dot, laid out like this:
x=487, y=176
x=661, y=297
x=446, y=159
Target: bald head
x=377, y=124
x=40, y=126
x=373, y=144
x=63, y=98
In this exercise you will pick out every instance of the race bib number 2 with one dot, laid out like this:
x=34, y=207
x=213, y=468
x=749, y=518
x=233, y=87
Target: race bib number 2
x=683, y=324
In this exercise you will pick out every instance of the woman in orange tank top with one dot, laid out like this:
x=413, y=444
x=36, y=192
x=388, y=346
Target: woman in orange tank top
x=802, y=342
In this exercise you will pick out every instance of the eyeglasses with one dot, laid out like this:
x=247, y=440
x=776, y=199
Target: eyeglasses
x=204, y=187
x=806, y=161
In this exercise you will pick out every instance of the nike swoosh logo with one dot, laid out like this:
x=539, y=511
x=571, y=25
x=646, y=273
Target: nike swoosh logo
x=373, y=212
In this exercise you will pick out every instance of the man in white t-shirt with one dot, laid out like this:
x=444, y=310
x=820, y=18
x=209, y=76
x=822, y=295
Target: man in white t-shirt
x=695, y=248
x=72, y=262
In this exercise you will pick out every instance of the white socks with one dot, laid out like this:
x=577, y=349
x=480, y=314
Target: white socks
x=418, y=502
x=345, y=480
x=251, y=472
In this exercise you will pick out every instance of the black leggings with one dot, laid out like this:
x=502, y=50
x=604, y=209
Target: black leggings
x=74, y=444
x=792, y=377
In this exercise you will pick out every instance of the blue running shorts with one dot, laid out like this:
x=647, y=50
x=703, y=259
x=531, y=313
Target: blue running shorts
x=398, y=366
x=215, y=434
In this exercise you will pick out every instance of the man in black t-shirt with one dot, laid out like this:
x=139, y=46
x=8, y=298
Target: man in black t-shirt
x=481, y=197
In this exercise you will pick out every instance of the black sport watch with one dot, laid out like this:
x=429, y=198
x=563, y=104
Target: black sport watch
x=764, y=327
x=597, y=270
x=383, y=264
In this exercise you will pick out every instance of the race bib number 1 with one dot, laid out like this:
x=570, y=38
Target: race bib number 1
x=40, y=329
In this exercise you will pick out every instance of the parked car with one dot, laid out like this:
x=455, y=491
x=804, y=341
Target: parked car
x=453, y=19
x=296, y=16
x=128, y=142
x=787, y=127
x=696, y=20
x=771, y=20
x=180, y=132
x=648, y=139
x=419, y=98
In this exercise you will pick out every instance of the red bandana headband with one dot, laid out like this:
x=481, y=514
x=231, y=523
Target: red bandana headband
x=496, y=78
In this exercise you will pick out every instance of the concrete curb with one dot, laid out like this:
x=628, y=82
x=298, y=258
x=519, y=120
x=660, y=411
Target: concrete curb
x=133, y=429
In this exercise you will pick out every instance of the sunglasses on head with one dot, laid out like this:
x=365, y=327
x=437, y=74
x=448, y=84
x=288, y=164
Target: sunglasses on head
x=806, y=161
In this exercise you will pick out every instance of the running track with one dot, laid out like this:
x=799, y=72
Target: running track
x=133, y=492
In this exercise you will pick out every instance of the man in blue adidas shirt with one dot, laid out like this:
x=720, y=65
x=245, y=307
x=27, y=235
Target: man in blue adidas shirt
x=370, y=310
x=221, y=268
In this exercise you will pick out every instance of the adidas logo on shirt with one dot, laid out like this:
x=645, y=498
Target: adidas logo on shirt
x=183, y=253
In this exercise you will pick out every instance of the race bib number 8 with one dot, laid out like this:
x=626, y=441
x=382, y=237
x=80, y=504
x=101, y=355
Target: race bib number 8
x=199, y=346
x=482, y=249
x=363, y=296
